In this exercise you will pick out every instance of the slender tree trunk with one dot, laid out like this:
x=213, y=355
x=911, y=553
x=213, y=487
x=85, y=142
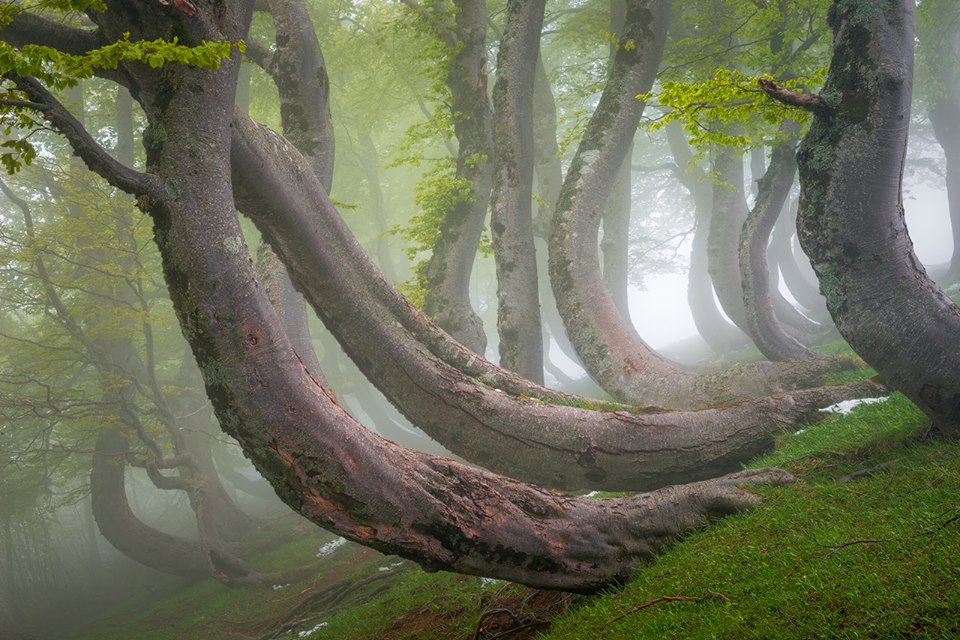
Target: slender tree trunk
x=730, y=210
x=518, y=308
x=851, y=220
x=716, y=331
x=615, y=245
x=447, y=273
x=549, y=178
x=765, y=329
x=784, y=257
x=945, y=116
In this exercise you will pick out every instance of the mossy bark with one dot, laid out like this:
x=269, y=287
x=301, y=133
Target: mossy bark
x=851, y=220
x=447, y=273
x=518, y=302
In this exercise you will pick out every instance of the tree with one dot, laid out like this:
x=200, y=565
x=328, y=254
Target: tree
x=518, y=300
x=939, y=31
x=851, y=219
x=440, y=513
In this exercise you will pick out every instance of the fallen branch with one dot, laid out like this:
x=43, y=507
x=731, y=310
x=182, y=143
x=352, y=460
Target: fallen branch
x=872, y=471
x=650, y=603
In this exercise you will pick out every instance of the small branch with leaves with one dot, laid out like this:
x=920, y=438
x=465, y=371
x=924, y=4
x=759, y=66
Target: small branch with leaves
x=807, y=101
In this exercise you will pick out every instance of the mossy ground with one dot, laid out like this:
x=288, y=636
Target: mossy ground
x=835, y=555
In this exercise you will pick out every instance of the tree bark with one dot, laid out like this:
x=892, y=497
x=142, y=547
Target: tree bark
x=483, y=413
x=615, y=244
x=447, y=273
x=945, y=116
x=851, y=220
x=518, y=301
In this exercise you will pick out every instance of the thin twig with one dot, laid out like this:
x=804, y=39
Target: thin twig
x=650, y=603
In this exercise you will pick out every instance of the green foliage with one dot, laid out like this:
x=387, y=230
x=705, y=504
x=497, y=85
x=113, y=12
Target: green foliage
x=59, y=70
x=728, y=101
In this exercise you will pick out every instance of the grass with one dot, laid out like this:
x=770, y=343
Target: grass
x=877, y=556
x=835, y=555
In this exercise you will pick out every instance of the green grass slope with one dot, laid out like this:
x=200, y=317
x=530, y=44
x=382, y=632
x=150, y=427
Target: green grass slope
x=866, y=544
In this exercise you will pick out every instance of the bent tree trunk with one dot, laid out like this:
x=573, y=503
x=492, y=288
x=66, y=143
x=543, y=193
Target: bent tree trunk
x=801, y=286
x=437, y=512
x=447, y=273
x=483, y=413
x=715, y=330
x=851, y=220
x=764, y=327
x=518, y=300
x=611, y=350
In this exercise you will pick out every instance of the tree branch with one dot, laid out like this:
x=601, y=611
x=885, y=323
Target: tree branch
x=27, y=28
x=89, y=150
x=807, y=101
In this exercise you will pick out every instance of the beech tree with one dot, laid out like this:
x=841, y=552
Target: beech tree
x=204, y=161
x=851, y=218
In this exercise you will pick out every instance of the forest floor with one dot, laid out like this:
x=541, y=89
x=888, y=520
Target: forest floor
x=866, y=544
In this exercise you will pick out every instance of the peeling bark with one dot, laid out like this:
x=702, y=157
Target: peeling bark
x=851, y=220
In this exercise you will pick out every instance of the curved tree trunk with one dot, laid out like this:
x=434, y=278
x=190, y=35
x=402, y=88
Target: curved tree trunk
x=447, y=274
x=614, y=355
x=518, y=300
x=126, y=532
x=851, y=220
x=783, y=257
x=722, y=336
x=764, y=327
x=439, y=513
x=615, y=245
x=483, y=413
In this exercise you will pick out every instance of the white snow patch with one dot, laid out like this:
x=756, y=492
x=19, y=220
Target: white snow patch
x=592, y=494
x=277, y=587
x=845, y=407
x=304, y=634
x=486, y=582
x=330, y=547
x=390, y=566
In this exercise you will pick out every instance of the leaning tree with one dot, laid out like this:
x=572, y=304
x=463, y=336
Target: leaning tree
x=851, y=218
